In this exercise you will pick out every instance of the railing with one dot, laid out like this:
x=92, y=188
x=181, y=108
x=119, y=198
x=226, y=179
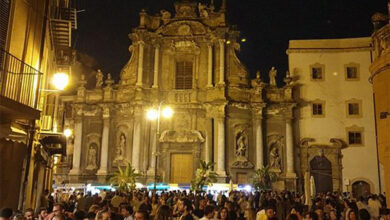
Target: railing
x=18, y=80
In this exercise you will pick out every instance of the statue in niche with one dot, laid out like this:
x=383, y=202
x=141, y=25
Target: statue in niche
x=274, y=158
x=202, y=10
x=120, y=149
x=92, y=156
x=99, y=79
x=241, y=145
x=272, y=76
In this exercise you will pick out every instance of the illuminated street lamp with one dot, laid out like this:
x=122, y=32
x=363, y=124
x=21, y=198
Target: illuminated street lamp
x=68, y=132
x=155, y=114
x=60, y=80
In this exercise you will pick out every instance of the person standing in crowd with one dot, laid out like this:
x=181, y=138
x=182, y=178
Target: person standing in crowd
x=185, y=208
x=374, y=207
x=29, y=214
x=141, y=215
x=163, y=213
x=127, y=212
x=42, y=213
x=5, y=214
x=208, y=213
x=199, y=211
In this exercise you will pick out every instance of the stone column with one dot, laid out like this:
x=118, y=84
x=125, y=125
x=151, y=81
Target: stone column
x=78, y=137
x=153, y=143
x=105, y=138
x=221, y=146
x=140, y=63
x=136, y=143
x=289, y=148
x=259, y=143
x=221, y=62
x=207, y=149
x=210, y=66
x=156, y=65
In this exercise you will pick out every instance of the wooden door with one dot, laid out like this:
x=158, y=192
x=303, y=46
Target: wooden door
x=182, y=168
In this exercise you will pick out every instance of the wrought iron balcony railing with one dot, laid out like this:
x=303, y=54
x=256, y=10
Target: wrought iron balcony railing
x=18, y=81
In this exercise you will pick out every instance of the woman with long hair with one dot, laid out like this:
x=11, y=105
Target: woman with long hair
x=163, y=213
x=223, y=214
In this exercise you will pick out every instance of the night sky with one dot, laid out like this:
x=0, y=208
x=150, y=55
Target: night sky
x=268, y=25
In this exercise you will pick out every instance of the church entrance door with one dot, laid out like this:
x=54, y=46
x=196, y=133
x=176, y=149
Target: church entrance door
x=182, y=167
x=360, y=188
x=321, y=170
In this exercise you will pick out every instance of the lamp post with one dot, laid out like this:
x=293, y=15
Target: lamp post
x=153, y=114
x=60, y=81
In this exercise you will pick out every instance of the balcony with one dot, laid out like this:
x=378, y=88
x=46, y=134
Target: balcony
x=19, y=82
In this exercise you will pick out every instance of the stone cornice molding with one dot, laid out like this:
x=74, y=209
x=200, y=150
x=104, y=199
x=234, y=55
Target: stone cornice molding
x=327, y=50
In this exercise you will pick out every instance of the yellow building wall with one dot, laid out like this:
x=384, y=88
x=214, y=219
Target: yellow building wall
x=381, y=89
x=334, y=91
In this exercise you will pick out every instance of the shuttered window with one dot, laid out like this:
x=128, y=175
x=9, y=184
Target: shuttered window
x=184, y=75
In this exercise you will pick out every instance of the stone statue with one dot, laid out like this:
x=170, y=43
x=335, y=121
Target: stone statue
x=120, y=149
x=274, y=158
x=272, y=76
x=99, y=79
x=165, y=16
x=258, y=75
x=91, y=160
x=241, y=145
x=202, y=10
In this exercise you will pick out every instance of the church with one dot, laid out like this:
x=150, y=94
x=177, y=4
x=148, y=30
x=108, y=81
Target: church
x=187, y=60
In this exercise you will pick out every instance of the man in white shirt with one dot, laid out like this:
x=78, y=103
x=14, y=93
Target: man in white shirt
x=126, y=212
x=208, y=212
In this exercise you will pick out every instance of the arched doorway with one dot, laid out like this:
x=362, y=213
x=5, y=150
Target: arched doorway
x=321, y=170
x=360, y=188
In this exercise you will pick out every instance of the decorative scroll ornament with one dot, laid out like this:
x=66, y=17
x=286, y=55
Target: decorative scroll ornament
x=191, y=136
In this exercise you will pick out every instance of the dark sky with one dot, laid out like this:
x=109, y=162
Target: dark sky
x=267, y=25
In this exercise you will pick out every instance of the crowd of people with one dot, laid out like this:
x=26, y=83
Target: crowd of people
x=180, y=205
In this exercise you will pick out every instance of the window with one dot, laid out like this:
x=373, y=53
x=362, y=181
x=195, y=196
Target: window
x=355, y=137
x=351, y=71
x=318, y=108
x=317, y=72
x=353, y=108
x=183, y=75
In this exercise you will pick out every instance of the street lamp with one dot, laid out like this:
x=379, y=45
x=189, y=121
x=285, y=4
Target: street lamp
x=60, y=80
x=155, y=114
x=68, y=132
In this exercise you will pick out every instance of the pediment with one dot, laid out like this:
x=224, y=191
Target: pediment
x=183, y=28
x=185, y=136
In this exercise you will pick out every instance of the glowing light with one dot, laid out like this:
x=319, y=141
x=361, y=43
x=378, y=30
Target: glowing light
x=60, y=80
x=167, y=112
x=335, y=73
x=243, y=40
x=152, y=114
x=228, y=42
x=68, y=132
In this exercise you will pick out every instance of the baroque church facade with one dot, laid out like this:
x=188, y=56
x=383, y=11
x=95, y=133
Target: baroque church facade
x=186, y=60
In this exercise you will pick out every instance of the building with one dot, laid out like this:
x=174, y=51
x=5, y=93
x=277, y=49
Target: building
x=335, y=102
x=34, y=43
x=380, y=79
x=186, y=60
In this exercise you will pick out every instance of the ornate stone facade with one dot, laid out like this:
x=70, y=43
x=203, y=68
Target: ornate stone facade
x=220, y=114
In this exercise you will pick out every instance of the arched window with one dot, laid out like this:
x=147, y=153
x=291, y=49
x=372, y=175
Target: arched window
x=183, y=75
